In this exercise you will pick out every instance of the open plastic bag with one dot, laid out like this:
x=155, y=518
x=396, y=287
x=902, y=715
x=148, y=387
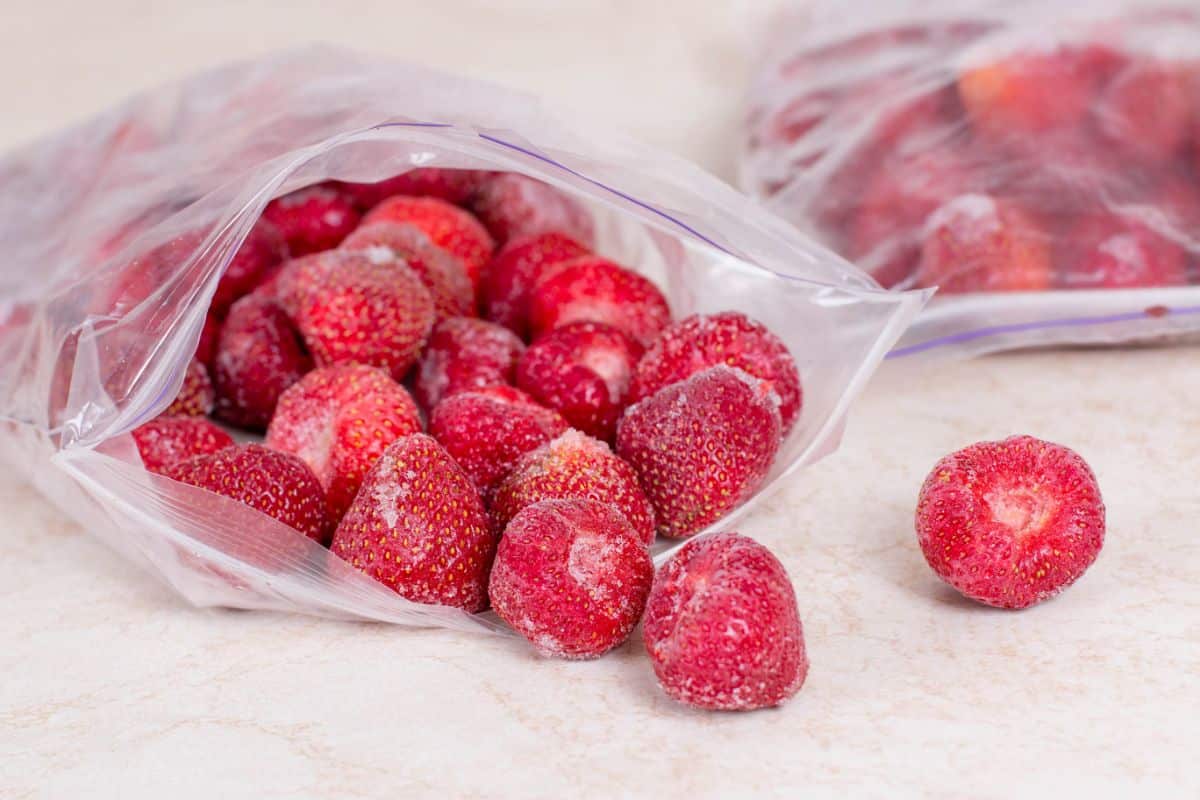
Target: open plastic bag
x=1039, y=163
x=89, y=349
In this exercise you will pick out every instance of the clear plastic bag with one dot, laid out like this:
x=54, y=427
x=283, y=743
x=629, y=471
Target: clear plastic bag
x=89, y=349
x=1039, y=163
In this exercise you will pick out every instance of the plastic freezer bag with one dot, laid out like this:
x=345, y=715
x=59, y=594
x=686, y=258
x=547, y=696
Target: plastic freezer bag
x=191, y=167
x=1038, y=162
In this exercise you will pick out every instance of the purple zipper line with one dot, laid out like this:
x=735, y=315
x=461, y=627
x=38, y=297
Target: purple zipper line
x=1065, y=322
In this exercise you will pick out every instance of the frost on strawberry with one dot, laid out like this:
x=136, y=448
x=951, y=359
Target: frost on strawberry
x=447, y=226
x=465, y=354
x=167, y=440
x=442, y=274
x=312, y=219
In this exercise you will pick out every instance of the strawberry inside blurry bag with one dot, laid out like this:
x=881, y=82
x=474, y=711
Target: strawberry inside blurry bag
x=1038, y=165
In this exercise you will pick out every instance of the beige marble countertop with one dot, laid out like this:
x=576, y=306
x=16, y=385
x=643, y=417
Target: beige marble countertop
x=111, y=687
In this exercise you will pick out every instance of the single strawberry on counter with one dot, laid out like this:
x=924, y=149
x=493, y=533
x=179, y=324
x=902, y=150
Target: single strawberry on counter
x=513, y=206
x=722, y=627
x=702, y=446
x=465, y=354
x=166, y=441
x=418, y=526
x=449, y=227
x=442, y=273
x=582, y=370
x=571, y=576
x=594, y=289
x=1011, y=523
x=312, y=219
x=338, y=420
x=516, y=268
x=196, y=396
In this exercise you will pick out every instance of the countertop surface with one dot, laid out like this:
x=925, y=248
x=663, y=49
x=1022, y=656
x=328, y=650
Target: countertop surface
x=112, y=687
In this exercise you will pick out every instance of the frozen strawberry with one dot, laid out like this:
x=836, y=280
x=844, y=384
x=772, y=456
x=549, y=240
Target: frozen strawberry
x=1112, y=252
x=1027, y=94
x=449, y=227
x=573, y=466
x=594, y=289
x=277, y=484
x=418, y=527
x=196, y=396
x=338, y=420
x=516, y=268
x=206, y=348
x=1010, y=523
x=259, y=355
x=1147, y=110
x=350, y=309
x=165, y=441
x=443, y=274
x=581, y=370
x=464, y=354
x=722, y=627
x=488, y=429
x=452, y=185
x=312, y=219
x=262, y=251
x=571, y=576
x=979, y=243
x=706, y=340
x=515, y=206
x=702, y=446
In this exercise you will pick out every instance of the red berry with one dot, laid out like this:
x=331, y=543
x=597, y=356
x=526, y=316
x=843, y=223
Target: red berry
x=465, y=354
x=702, y=446
x=1106, y=250
x=165, y=441
x=515, y=206
x=702, y=341
x=254, y=261
x=441, y=273
x=722, y=627
x=1010, y=523
x=1147, y=110
x=338, y=420
x=449, y=227
x=594, y=289
x=350, y=309
x=581, y=370
x=277, y=484
x=312, y=219
x=196, y=396
x=573, y=466
x=259, y=355
x=488, y=429
x=418, y=527
x=571, y=576
x=979, y=243
x=206, y=347
x=514, y=271
x=452, y=185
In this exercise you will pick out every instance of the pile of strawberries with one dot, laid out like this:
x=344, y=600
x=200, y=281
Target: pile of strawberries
x=976, y=165
x=464, y=401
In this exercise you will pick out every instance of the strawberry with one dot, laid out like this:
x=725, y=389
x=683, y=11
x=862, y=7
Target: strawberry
x=165, y=441
x=979, y=243
x=277, y=484
x=312, y=219
x=452, y=185
x=594, y=289
x=514, y=270
x=1106, y=250
x=418, y=527
x=338, y=420
x=573, y=466
x=441, y=273
x=1010, y=523
x=206, y=347
x=486, y=430
x=449, y=227
x=515, y=206
x=702, y=446
x=465, y=354
x=582, y=370
x=259, y=355
x=571, y=576
x=350, y=309
x=722, y=627
x=196, y=396
x=263, y=250
x=1148, y=109
x=706, y=340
